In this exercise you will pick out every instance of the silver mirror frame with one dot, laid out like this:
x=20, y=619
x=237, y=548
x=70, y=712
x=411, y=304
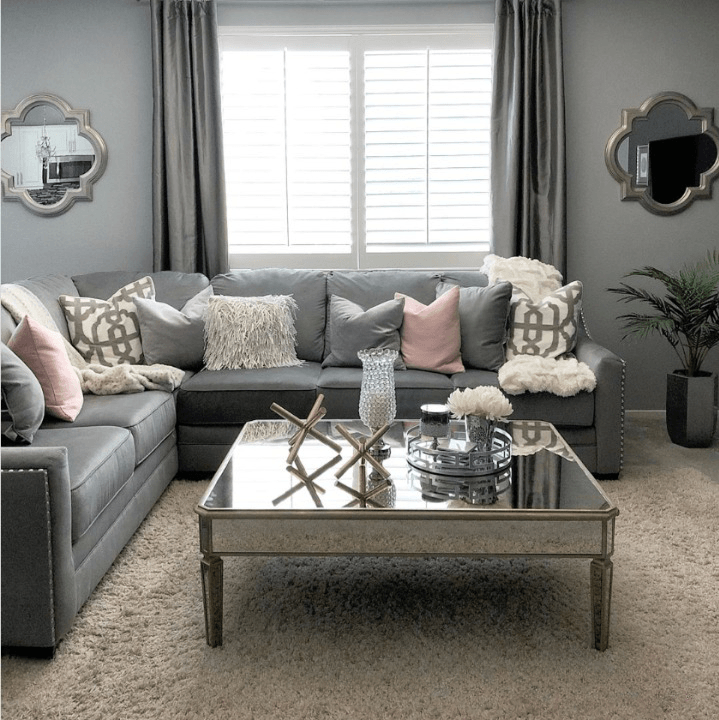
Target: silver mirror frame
x=628, y=190
x=72, y=195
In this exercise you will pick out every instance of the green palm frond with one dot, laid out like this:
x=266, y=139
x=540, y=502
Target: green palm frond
x=687, y=314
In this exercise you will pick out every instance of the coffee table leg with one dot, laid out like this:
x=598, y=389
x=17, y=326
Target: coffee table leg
x=601, y=586
x=211, y=568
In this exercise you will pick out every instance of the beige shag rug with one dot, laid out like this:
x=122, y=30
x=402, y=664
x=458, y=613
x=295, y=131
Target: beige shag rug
x=312, y=639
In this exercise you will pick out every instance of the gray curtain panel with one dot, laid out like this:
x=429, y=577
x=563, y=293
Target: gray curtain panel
x=527, y=132
x=188, y=185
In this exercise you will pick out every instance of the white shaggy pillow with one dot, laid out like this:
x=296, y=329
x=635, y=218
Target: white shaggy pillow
x=250, y=332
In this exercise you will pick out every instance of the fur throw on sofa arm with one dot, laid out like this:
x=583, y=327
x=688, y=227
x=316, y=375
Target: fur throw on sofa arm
x=564, y=376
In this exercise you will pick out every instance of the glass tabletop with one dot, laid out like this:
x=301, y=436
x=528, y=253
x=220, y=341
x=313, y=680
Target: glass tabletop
x=540, y=473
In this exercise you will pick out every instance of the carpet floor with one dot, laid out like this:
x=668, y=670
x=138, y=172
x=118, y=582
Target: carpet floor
x=312, y=639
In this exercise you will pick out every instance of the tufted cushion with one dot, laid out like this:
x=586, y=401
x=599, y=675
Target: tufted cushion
x=108, y=331
x=547, y=328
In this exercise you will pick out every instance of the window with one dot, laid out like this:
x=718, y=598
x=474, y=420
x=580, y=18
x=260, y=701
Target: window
x=370, y=147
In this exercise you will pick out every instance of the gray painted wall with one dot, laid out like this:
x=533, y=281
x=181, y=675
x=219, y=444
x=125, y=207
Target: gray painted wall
x=617, y=54
x=96, y=55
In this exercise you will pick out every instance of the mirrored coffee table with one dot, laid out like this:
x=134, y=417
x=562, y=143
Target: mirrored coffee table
x=544, y=503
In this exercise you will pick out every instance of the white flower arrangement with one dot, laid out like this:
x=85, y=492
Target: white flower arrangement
x=483, y=401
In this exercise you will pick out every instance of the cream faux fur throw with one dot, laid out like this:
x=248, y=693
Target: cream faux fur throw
x=94, y=379
x=564, y=376
x=533, y=278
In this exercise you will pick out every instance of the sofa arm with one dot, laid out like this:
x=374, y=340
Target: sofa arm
x=38, y=572
x=609, y=370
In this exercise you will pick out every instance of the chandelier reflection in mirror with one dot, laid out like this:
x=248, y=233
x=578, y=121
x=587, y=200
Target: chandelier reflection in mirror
x=44, y=150
x=51, y=157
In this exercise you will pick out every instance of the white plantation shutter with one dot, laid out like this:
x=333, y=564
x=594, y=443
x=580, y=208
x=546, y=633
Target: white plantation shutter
x=368, y=146
x=286, y=118
x=427, y=148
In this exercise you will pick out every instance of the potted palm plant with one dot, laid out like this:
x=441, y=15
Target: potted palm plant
x=687, y=315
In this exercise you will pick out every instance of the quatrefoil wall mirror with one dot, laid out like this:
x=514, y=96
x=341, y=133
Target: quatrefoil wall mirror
x=665, y=154
x=50, y=155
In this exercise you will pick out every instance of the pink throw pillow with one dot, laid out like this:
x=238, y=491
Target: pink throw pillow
x=43, y=351
x=430, y=333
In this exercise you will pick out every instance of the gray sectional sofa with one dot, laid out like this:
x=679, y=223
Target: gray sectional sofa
x=72, y=499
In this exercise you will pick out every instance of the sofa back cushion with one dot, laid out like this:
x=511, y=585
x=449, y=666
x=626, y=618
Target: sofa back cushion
x=307, y=287
x=47, y=288
x=368, y=288
x=171, y=287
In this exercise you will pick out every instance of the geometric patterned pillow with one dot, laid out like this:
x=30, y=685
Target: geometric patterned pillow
x=547, y=328
x=108, y=331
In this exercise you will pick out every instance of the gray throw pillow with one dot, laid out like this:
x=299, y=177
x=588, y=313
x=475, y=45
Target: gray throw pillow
x=352, y=328
x=174, y=337
x=23, y=403
x=483, y=319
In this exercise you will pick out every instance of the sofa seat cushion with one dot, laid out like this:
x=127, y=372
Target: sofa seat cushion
x=234, y=397
x=577, y=410
x=101, y=460
x=413, y=388
x=149, y=416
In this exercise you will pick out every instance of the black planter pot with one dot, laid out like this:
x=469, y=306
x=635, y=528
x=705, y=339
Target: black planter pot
x=691, y=408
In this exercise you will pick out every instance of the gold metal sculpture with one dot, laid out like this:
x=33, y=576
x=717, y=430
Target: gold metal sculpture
x=294, y=465
x=306, y=427
x=363, y=496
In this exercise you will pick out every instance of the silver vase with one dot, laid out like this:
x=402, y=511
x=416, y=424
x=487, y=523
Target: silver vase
x=480, y=431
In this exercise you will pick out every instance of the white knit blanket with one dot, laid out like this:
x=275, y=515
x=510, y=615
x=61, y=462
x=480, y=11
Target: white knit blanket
x=565, y=375
x=95, y=379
